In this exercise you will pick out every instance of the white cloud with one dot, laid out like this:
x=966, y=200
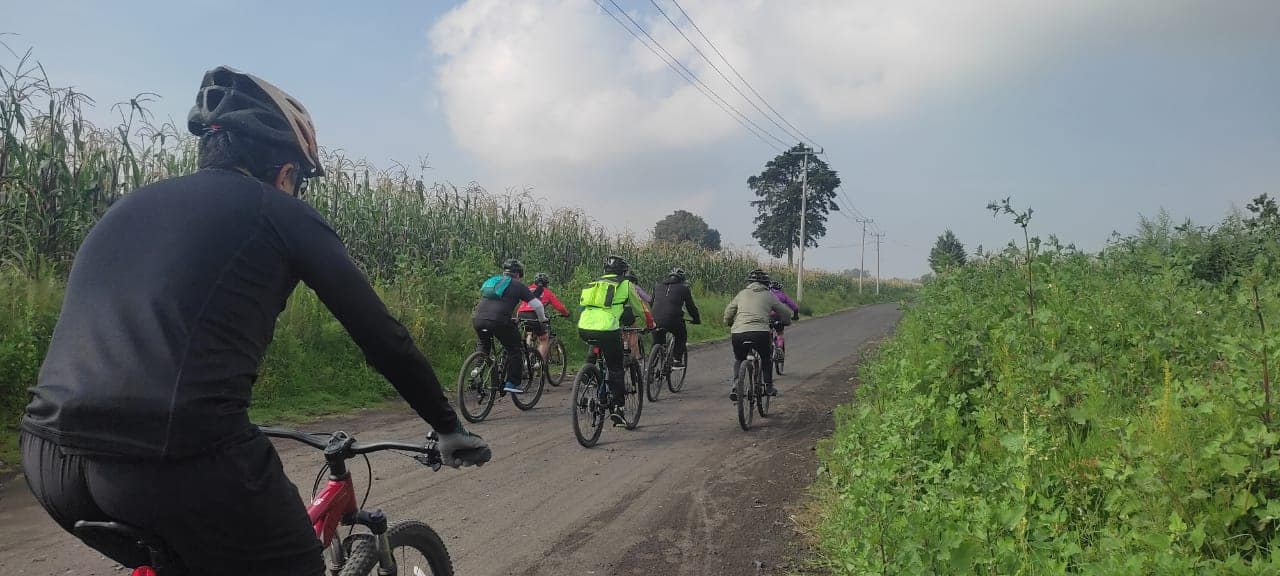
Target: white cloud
x=554, y=94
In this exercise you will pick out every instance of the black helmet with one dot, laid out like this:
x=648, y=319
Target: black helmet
x=245, y=104
x=775, y=285
x=541, y=279
x=513, y=266
x=678, y=272
x=758, y=275
x=615, y=265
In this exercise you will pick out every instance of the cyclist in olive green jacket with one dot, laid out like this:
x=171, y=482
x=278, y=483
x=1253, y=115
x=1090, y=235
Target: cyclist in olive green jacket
x=602, y=304
x=748, y=314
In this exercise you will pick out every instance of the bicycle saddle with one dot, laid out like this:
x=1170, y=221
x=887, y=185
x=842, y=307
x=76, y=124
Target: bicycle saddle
x=133, y=547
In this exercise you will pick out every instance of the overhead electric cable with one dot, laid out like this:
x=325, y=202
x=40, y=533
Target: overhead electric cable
x=718, y=71
x=739, y=75
x=690, y=76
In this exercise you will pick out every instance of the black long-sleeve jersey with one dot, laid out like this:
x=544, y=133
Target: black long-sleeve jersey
x=171, y=303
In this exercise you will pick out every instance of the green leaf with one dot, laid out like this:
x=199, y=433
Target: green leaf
x=962, y=556
x=1013, y=441
x=1233, y=464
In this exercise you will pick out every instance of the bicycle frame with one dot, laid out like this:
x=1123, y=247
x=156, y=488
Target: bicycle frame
x=337, y=502
x=332, y=507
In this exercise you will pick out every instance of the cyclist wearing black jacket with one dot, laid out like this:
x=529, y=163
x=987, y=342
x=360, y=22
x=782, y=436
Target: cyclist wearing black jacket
x=669, y=298
x=140, y=413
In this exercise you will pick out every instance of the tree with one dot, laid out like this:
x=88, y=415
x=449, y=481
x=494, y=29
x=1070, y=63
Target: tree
x=684, y=226
x=778, y=207
x=946, y=253
x=711, y=240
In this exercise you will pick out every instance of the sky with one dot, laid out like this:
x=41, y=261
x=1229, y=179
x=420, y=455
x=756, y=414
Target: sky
x=1094, y=113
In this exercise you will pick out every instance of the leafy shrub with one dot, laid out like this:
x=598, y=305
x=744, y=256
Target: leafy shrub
x=1125, y=429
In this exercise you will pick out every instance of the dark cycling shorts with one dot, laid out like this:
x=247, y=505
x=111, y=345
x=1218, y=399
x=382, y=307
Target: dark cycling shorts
x=530, y=320
x=229, y=512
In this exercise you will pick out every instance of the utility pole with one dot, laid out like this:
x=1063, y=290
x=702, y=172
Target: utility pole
x=804, y=211
x=862, y=266
x=879, y=238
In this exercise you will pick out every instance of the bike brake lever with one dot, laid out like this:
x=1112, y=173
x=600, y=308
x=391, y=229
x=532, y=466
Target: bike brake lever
x=426, y=460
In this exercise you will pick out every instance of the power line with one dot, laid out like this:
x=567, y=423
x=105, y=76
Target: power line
x=689, y=76
x=717, y=68
x=739, y=75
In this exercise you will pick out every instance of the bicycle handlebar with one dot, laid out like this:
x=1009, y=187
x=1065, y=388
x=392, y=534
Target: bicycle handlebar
x=353, y=448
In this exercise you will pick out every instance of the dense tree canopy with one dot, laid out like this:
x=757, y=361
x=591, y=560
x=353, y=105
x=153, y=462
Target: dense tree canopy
x=948, y=252
x=685, y=226
x=778, y=205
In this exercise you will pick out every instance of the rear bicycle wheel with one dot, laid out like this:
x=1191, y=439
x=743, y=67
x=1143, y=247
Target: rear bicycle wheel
x=779, y=356
x=635, y=396
x=531, y=382
x=475, y=391
x=742, y=384
x=654, y=372
x=586, y=409
x=675, y=377
x=557, y=362
x=415, y=547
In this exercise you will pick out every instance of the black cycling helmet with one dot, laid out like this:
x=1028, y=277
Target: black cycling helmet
x=615, y=265
x=245, y=104
x=678, y=272
x=541, y=279
x=758, y=275
x=513, y=266
x=775, y=285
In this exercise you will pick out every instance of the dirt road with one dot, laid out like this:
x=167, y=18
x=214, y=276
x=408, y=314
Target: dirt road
x=686, y=493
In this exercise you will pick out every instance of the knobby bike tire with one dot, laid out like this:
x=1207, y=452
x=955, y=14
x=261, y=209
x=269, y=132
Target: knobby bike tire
x=742, y=384
x=531, y=382
x=585, y=410
x=635, y=396
x=557, y=363
x=676, y=383
x=653, y=372
x=762, y=399
x=362, y=560
x=476, y=394
x=779, y=356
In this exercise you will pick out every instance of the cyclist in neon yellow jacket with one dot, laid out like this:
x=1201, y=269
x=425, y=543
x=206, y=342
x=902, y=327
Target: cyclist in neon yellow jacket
x=602, y=304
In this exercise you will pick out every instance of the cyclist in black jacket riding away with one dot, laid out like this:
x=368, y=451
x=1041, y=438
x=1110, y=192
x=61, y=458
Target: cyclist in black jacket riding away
x=670, y=299
x=499, y=297
x=140, y=413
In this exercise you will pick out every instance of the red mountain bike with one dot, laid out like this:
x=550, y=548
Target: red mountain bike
x=410, y=547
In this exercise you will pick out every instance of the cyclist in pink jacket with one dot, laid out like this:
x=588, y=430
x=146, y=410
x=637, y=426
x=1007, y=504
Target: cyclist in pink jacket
x=776, y=288
x=541, y=291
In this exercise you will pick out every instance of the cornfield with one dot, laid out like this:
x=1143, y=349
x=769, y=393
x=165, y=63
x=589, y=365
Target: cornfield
x=59, y=173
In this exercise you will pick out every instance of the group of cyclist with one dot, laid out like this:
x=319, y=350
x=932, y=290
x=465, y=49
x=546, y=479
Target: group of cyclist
x=614, y=302
x=140, y=411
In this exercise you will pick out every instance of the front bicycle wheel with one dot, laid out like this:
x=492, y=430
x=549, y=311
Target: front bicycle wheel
x=475, y=391
x=587, y=410
x=557, y=362
x=635, y=396
x=653, y=372
x=415, y=547
x=675, y=376
x=742, y=384
x=531, y=382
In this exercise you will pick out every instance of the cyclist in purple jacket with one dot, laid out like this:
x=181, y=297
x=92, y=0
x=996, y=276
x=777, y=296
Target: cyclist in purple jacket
x=776, y=288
